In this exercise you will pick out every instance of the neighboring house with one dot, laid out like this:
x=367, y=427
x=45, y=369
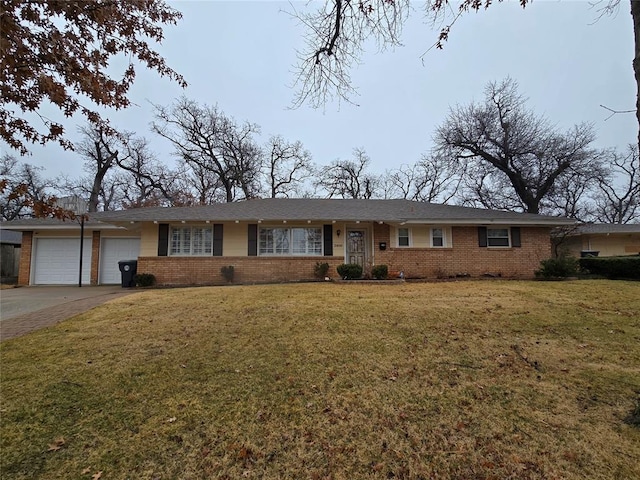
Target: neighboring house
x=280, y=240
x=604, y=240
x=9, y=254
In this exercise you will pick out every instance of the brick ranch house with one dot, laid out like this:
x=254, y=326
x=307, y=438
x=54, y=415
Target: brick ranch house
x=281, y=240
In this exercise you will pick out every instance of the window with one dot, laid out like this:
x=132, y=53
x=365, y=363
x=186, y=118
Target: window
x=437, y=237
x=497, y=237
x=191, y=241
x=403, y=237
x=290, y=241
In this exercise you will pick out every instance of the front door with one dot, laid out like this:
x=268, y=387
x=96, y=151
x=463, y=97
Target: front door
x=356, y=247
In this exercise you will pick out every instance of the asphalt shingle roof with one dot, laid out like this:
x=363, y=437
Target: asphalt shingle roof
x=604, y=228
x=277, y=209
x=303, y=209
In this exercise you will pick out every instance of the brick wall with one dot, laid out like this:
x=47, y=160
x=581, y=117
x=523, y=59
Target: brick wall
x=24, y=273
x=466, y=257
x=206, y=270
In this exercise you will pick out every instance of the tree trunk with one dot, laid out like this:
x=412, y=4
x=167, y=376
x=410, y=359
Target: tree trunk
x=635, y=14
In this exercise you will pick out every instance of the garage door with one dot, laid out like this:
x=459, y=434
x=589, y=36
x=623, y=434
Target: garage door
x=57, y=261
x=114, y=250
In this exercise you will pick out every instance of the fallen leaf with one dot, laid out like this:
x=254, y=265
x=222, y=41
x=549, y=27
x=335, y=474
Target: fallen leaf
x=57, y=444
x=85, y=471
x=172, y=419
x=97, y=475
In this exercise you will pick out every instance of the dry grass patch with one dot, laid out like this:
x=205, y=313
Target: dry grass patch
x=461, y=380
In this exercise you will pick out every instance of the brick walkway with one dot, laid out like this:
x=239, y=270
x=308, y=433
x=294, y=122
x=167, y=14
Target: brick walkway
x=29, y=322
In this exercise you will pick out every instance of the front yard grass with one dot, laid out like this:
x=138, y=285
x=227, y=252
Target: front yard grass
x=462, y=380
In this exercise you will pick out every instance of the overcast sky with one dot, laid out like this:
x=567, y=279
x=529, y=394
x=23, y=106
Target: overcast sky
x=240, y=56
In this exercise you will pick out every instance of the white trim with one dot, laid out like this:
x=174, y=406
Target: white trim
x=498, y=227
x=445, y=236
x=409, y=236
x=190, y=226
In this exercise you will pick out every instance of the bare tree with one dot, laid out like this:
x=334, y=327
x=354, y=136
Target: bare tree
x=337, y=31
x=348, y=178
x=571, y=192
x=524, y=151
x=21, y=187
x=433, y=179
x=287, y=166
x=99, y=147
x=209, y=141
x=618, y=195
x=149, y=179
x=334, y=42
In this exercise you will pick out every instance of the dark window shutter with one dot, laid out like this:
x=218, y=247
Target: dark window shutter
x=253, y=240
x=163, y=239
x=515, y=236
x=217, y=239
x=482, y=236
x=328, y=240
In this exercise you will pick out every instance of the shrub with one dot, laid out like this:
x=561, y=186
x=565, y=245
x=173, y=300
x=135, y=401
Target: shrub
x=228, y=272
x=321, y=270
x=613, y=267
x=380, y=272
x=562, y=267
x=349, y=271
x=144, y=279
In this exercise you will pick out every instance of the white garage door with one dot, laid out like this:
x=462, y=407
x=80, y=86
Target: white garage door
x=57, y=261
x=114, y=250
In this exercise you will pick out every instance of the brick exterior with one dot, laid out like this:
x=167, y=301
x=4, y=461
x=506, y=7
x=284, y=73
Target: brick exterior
x=95, y=256
x=206, y=270
x=24, y=273
x=465, y=258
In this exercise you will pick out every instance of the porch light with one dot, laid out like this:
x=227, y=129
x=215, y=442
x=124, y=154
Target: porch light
x=237, y=221
x=155, y=221
x=183, y=221
x=338, y=232
x=132, y=222
x=284, y=221
x=357, y=221
x=208, y=221
x=308, y=221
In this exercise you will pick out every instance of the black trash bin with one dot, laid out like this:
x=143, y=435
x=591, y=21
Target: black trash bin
x=128, y=270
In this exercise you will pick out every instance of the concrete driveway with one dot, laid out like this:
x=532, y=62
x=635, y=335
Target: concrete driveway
x=26, y=309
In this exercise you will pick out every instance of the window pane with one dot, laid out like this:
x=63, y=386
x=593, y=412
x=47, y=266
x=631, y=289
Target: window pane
x=307, y=241
x=181, y=241
x=437, y=237
x=498, y=237
x=498, y=242
x=403, y=237
x=281, y=240
x=498, y=232
x=202, y=241
x=266, y=240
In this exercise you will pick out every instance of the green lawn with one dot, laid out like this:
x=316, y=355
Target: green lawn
x=460, y=380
